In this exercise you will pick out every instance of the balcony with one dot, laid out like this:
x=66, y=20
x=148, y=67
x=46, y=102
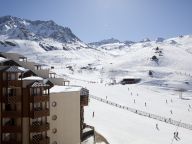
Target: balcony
x=15, y=83
x=87, y=132
x=39, y=127
x=39, y=113
x=39, y=98
x=11, y=142
x=11, y=99
x=11, y=114
x=38, y=139
x=84, y=100
x=11, y=129
x=44, y=141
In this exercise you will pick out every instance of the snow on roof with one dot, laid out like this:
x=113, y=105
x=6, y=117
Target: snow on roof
x=58, y=89
x=33, y=78
x=2, y=59
x=23, y=69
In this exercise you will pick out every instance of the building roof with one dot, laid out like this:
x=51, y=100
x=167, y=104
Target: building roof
x=38, y=84
x=2, y=59
x=59, y=89
x=16, y=57
x=33, y=78
x=84, y=91
x=23, y=69
x=13, y=59
x=2, y=68
x=14, y=69
x=11, y=55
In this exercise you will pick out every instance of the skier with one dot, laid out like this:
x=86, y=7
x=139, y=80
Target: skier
x=93, y=115
x=157, y=127
x=176, y=135
x=145, y=104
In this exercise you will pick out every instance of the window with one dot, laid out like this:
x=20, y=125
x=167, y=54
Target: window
x=35, y=91
x=54, y=103
x=54, y=117
x=11, y=76
x=54, y=130
x=54, y=142
x=11, y=92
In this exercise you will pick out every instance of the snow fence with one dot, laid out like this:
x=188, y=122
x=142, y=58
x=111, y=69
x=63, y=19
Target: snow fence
x=146, y=114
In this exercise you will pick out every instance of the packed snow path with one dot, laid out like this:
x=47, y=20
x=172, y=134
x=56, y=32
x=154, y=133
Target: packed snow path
x=146, y=114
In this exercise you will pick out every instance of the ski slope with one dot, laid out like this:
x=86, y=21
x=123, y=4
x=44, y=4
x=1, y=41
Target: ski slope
x=95, y=68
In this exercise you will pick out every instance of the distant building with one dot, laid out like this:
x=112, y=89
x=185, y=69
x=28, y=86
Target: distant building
x=130, y=81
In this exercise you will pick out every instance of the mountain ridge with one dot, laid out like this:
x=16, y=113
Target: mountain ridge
x=18, y=28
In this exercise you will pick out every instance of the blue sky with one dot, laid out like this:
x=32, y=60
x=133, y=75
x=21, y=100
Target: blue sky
x=94, y=20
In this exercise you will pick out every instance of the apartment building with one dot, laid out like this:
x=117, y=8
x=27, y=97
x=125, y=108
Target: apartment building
x=36, y=107
x=24, y=106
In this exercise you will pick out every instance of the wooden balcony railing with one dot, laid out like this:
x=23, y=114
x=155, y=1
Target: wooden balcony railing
x=45, y=141
x=11, y=99
x=39, y=98
x=11, y=129
x=84, y=100
x=39, y=127
x=11, y=114
x=38, y=139
x=16, y=83
x=39, y=113
x=11, y=142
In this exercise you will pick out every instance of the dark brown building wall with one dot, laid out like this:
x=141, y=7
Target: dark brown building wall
x=25, y=102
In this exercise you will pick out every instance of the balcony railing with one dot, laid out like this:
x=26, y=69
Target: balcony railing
x=11, y=114
x=39, y=127
x=11, y=129
x=84, y=100
x=38, y=139
x=39, y=113
x=11, y=99
x=11, y=142
x=86, y=133
x=15, y=83
x=39, y=98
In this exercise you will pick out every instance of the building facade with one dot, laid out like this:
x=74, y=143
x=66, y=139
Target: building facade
x=32, y=110
x=24, y=107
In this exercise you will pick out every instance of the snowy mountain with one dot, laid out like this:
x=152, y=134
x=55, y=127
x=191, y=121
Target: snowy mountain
x=103, y=42
x=44, y=35
x=110, y=42
x=17, y=28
